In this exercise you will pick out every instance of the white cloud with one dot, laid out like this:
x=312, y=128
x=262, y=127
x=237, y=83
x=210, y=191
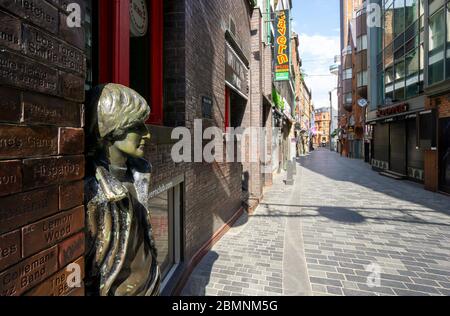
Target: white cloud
x=318, y=53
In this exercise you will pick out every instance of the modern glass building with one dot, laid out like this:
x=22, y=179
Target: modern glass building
x=409, y=65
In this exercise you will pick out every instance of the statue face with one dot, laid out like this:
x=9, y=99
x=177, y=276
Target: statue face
x=133, y=142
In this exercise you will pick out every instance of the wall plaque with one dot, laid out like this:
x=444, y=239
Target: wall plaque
x=22, y=72
x=55, y=170
x=10, y=252
x=19, y=141
x=49, y=49
x=10, y=32
x=25, y=208
x=50, y=231
x=30, y=272
x=37, y=11
x=10, y=109
x=40, y=45
x=71, y=249
x=56, y=285
x=40, y=109
x=10, y=177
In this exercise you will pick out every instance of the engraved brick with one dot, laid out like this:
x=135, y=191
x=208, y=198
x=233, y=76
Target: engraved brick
x=10, y=252
x=72, y=87
x=55, y=170
x=40, y=109
x=39, y=45
x=71, y=195
x=72, y=35
x=20, y=142
x=57, y=284
x=25, y=208
x=10, y=177
x=37, y=11
x=71, y=141
x=71, y=58
x=10, y=32
x=22, y=72
x=50, y=231
x=49, y=49
x=28, y=273
x=71, y=249
x=10, y=109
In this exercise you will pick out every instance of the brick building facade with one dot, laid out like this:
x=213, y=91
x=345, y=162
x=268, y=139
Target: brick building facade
x=200, y=64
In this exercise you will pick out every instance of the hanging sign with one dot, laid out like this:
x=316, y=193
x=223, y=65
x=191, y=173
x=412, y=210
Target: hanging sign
x=282, y=43
x=138, y=18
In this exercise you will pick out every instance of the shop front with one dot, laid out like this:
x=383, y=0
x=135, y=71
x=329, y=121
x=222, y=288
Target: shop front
x=444, y=161
x=396, y=142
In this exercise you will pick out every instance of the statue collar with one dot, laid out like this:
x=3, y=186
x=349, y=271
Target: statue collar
x=111, y=178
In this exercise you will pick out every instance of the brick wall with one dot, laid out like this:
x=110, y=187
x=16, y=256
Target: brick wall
x=214, y=191
x=443, y=105
x=42, y=70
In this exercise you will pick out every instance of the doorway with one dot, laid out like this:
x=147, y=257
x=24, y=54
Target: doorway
x=444, y=159
x=398, y=147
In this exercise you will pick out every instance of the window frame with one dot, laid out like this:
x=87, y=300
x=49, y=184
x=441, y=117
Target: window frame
x=114, y=50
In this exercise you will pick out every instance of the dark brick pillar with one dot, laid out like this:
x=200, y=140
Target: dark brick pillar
x=42, y=71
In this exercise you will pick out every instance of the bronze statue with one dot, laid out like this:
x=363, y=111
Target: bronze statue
x=121, y=255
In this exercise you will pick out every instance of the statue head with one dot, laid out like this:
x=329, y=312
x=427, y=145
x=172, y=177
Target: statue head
x=117, y=122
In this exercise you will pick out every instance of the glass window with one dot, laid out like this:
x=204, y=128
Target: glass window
x=389, y=55
x=166, y=225
x=140, y=52
x=361, y=43
x=435, y=5
x=399, y=17
x=348, y=99
x=348, y=74
x=400, y=80
x=412, y=73
x=436, y=47
x=389, y=84
x=388, y=25
x=362, y=78
x=411, y=11
x=159, y=207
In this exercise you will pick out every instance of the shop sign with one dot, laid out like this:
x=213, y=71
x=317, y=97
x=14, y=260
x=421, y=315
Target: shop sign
x=282, y=43
x=393, y=110
x=236, y=73
x=138, y=18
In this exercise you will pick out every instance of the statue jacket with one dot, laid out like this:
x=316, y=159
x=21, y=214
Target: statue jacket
x=121, y=254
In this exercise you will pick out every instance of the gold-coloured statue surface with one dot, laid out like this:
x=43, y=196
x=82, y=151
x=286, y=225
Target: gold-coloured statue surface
x=121, y=254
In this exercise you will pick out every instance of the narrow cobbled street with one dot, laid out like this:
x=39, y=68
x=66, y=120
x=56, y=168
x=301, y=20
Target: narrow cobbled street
x=330, y=234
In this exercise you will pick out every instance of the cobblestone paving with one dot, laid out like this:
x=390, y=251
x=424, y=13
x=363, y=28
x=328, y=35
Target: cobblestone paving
x=352, y=218
x=248, y=260
x=340, y=217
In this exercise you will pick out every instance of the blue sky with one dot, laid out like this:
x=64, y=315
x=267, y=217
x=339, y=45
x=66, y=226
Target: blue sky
x=317, y=23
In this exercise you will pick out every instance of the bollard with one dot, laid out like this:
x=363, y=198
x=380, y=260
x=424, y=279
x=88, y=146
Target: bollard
x=290, y=173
